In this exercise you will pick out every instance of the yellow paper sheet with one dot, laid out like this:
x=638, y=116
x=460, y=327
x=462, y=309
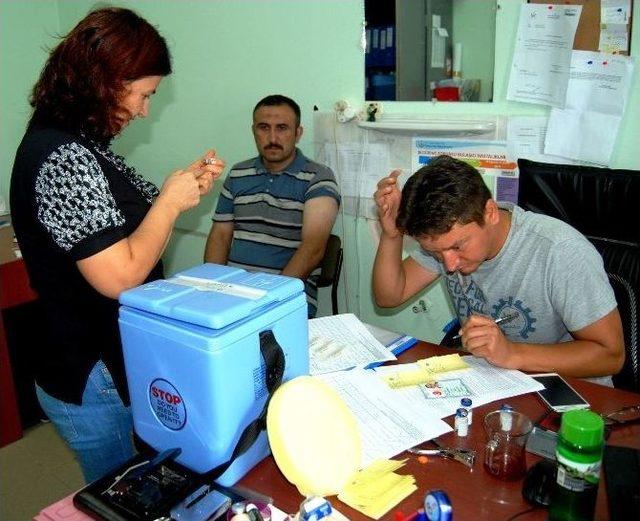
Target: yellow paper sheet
x=428, y=371
x=377, y=489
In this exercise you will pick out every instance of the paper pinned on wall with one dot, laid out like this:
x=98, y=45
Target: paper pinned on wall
x=587, y=127
x=542, y=56
x=614, y=38
x=615, y=11
x=525, y=139
x=358, y=169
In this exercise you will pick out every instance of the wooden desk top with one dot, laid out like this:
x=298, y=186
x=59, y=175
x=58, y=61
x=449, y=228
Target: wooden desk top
x=6, y=242
x=474, y=494
x=15, y=288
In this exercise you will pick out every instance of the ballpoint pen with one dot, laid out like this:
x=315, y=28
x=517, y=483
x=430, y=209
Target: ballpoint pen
x=500, y=320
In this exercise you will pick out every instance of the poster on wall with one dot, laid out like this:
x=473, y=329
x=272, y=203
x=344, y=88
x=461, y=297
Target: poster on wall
x=488, y=157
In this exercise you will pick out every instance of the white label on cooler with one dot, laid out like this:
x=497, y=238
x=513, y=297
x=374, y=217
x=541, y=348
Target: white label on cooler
x=227, y=288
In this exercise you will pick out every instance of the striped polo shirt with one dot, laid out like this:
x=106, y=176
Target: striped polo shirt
x=267, y=209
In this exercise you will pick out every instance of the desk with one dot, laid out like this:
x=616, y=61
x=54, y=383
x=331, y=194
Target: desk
x=14, y=291
x=475, y=495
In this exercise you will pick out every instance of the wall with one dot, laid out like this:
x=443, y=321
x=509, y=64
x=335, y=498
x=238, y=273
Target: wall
x=474, y=28
x=25, y=28
x=227, y=55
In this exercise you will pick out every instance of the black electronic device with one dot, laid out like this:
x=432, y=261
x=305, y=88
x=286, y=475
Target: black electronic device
x=538, y=483
x=558, y=394
x=622, y=477
x=153, y=486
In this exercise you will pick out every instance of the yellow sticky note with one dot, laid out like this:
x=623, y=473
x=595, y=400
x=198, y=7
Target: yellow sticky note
x=442, y=364
x=428, y=369
x=377, y=489
x=407, y=378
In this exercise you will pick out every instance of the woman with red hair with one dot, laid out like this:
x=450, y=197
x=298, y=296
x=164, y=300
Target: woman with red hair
x=89, y=226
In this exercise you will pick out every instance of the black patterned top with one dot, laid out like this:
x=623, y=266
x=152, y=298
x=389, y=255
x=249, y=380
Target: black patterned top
x=70, y=199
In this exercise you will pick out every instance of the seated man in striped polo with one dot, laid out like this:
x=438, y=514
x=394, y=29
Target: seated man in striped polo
x=276, y=211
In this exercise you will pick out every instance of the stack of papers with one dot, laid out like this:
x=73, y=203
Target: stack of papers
x=341, y=342
x=484, y=383
x=392, y=420
x=387, y=422
x=394, y=342
x=377, y=489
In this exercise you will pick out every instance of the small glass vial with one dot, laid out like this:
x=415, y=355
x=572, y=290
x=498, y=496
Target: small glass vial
x=461, y=422
x=466, y=403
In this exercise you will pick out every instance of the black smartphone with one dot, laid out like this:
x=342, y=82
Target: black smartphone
x=558, y=394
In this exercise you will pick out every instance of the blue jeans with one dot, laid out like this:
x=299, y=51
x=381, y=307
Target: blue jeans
x=100, y=430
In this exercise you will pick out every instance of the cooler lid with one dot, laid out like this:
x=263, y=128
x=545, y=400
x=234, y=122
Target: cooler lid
x=211, y=295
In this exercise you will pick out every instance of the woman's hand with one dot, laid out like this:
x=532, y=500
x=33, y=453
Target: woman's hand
x=182, y=189
x=210, y=168
x=128, y=262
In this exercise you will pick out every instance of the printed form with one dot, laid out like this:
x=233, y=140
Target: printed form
x=388, y=423
x=393, y=420
x=485, y=383
x=340, y=342
x=542, y=55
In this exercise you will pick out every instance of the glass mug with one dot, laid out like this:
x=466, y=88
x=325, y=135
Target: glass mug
x=504, y=453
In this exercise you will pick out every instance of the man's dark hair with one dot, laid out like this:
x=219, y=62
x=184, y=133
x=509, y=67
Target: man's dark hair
x=274, y=100
x=443, y=193
x=83, y=81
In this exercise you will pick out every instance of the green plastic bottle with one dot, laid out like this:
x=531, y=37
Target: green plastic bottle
x=579, y=456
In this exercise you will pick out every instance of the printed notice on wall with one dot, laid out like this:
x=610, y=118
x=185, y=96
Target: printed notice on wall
x=542, y=56
x=587, y=127
x=614, y=28
x=525, y=140
x=488, y=157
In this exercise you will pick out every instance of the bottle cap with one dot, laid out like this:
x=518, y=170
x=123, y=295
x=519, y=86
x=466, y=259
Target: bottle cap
x=465, y=402
x=582, y=428
x=238, y=507
x=437, y=506
x=315, y=508
x=463, y=413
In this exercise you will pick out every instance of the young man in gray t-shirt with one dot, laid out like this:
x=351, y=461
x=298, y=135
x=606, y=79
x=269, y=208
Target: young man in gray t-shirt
x=498, y=262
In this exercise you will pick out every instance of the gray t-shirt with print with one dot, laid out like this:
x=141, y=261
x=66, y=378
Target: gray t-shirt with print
x=547, y=273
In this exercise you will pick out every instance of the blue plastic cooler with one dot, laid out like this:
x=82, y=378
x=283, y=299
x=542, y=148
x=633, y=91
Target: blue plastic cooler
x=192, y=355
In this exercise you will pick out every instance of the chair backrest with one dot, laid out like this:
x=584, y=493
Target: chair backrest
x=603, y=204
x=330, y=269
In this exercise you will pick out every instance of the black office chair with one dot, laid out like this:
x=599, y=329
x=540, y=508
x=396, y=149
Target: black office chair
x=330, y=269
x=603, y=204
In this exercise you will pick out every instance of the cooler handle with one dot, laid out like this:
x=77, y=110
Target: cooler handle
x=274, y=370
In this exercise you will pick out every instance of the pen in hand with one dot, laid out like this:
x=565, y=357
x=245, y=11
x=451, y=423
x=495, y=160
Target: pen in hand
x=500, y=320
